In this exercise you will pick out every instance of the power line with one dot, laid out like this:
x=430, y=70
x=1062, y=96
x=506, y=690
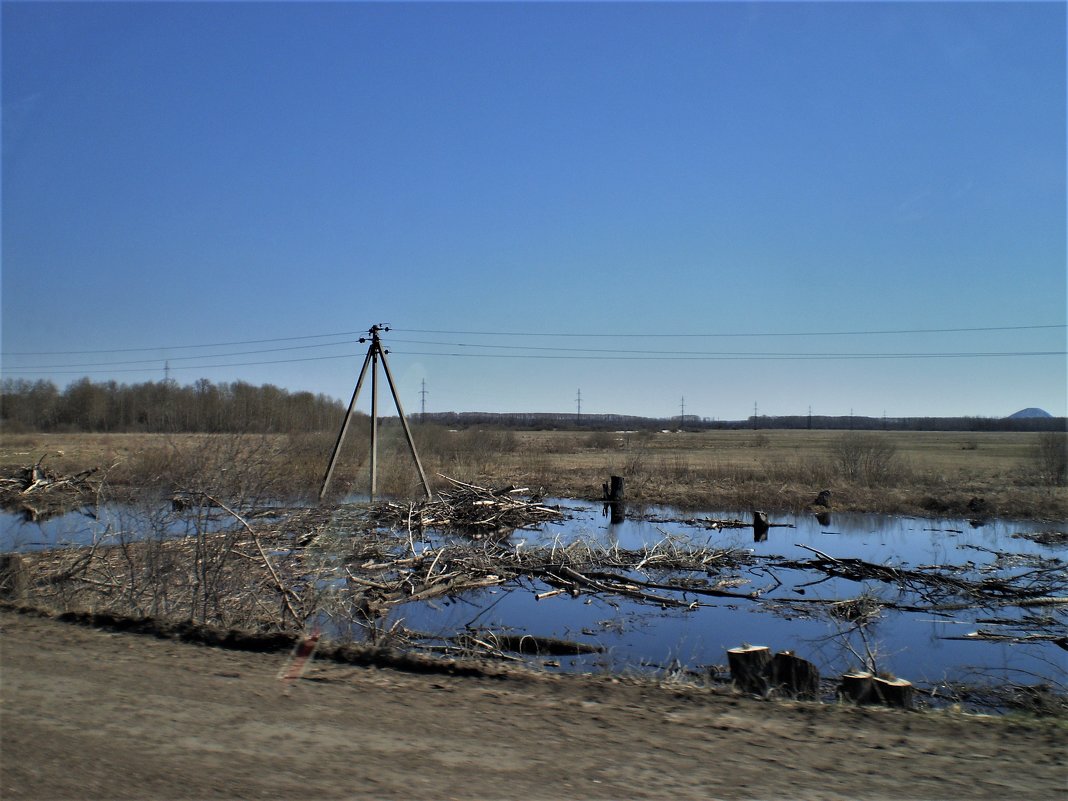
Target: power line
x=180, y=347
x=649, y=352
x=647, y=335
x=200, y=356
x=741, y=356
x=691, y=357
x=739, y=334
x=48, y=371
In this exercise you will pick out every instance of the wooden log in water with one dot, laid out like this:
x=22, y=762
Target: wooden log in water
x=749, y=667
x=539, y=645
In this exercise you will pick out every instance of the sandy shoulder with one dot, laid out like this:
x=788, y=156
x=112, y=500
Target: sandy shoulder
x=92, y=714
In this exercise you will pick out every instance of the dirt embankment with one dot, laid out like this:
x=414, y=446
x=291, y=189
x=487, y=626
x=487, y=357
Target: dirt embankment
x=94, y=714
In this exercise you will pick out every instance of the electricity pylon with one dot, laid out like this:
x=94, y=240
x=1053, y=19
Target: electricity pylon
x=374, y=353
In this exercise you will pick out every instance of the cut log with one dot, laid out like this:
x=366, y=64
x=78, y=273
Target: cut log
x=794, y=677
x=893, y=692
x=749, y=668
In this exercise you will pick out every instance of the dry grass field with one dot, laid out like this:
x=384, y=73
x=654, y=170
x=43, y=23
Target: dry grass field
x=924, y=473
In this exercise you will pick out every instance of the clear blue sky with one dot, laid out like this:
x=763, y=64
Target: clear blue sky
x=655, y=204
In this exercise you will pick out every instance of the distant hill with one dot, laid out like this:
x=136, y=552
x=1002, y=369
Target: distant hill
x=1029, y=412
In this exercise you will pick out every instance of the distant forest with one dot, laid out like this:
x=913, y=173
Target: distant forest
x=610, y=422
x=165, y=407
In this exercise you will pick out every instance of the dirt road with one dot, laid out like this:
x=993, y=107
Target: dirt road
x=91, y=714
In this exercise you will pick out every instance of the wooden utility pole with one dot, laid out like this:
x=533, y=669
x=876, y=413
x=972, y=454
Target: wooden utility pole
x=374, y=353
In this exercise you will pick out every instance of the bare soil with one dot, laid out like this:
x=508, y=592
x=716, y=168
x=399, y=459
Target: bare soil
x=95, y=714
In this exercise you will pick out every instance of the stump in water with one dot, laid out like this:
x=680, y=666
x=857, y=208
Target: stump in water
x=760, y=526
x=614, y=494
x=794, y=677
x=12, y=576
x=749, y=666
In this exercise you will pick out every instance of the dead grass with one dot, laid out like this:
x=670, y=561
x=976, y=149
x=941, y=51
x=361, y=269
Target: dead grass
x=935, y=473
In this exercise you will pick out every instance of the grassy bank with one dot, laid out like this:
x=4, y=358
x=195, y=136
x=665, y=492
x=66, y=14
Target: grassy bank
x=919, y=473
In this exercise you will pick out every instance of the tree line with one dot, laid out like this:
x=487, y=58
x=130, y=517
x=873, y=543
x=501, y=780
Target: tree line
x=163, y=407
x=611, y=422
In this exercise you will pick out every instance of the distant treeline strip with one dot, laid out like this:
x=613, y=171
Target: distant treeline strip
x=611, y=422
x=163, y=407
x=166, y=407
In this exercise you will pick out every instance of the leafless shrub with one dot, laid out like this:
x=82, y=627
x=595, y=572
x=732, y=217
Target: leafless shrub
x=1050, y=458
x=805, y=471
x=864, y=457
x=602, y=440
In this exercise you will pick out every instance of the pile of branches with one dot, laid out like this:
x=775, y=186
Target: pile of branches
x=37, y=493
x=469, y=508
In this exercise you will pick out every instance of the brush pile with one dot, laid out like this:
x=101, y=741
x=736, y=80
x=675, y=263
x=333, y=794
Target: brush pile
x=475, y=510
x=38, y=493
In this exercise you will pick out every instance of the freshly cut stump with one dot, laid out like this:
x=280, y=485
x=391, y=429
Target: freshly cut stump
x=749, y=667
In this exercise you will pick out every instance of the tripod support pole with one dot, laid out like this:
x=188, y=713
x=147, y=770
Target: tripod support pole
x=374, y=353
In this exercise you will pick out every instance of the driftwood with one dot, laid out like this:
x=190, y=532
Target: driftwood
x=1038, y=586
x=539, y=645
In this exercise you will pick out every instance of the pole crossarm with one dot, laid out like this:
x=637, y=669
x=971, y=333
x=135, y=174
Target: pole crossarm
x=375, y=353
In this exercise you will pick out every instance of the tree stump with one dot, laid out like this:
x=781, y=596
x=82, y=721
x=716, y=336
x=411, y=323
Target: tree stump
x=857, y=687
x=794, y=677
x=12, y=576
x=893, y=692
x=749, y=667
x=614, y=494
x=862, y=687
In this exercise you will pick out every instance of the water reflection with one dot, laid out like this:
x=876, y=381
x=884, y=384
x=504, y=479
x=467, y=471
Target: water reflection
x=615, y=511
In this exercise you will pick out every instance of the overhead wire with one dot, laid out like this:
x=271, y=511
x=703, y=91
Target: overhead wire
x=570, y=335
x=498, y=350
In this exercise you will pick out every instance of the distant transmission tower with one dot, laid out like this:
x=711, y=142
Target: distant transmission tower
x=422, y=393
x=578, y=410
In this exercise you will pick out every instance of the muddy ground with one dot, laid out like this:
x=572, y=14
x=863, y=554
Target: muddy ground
x=95, y=714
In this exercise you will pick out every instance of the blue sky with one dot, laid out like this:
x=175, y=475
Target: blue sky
x=709, y=204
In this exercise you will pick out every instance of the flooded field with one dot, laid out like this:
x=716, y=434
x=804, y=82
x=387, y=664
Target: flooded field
x=941, y=603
